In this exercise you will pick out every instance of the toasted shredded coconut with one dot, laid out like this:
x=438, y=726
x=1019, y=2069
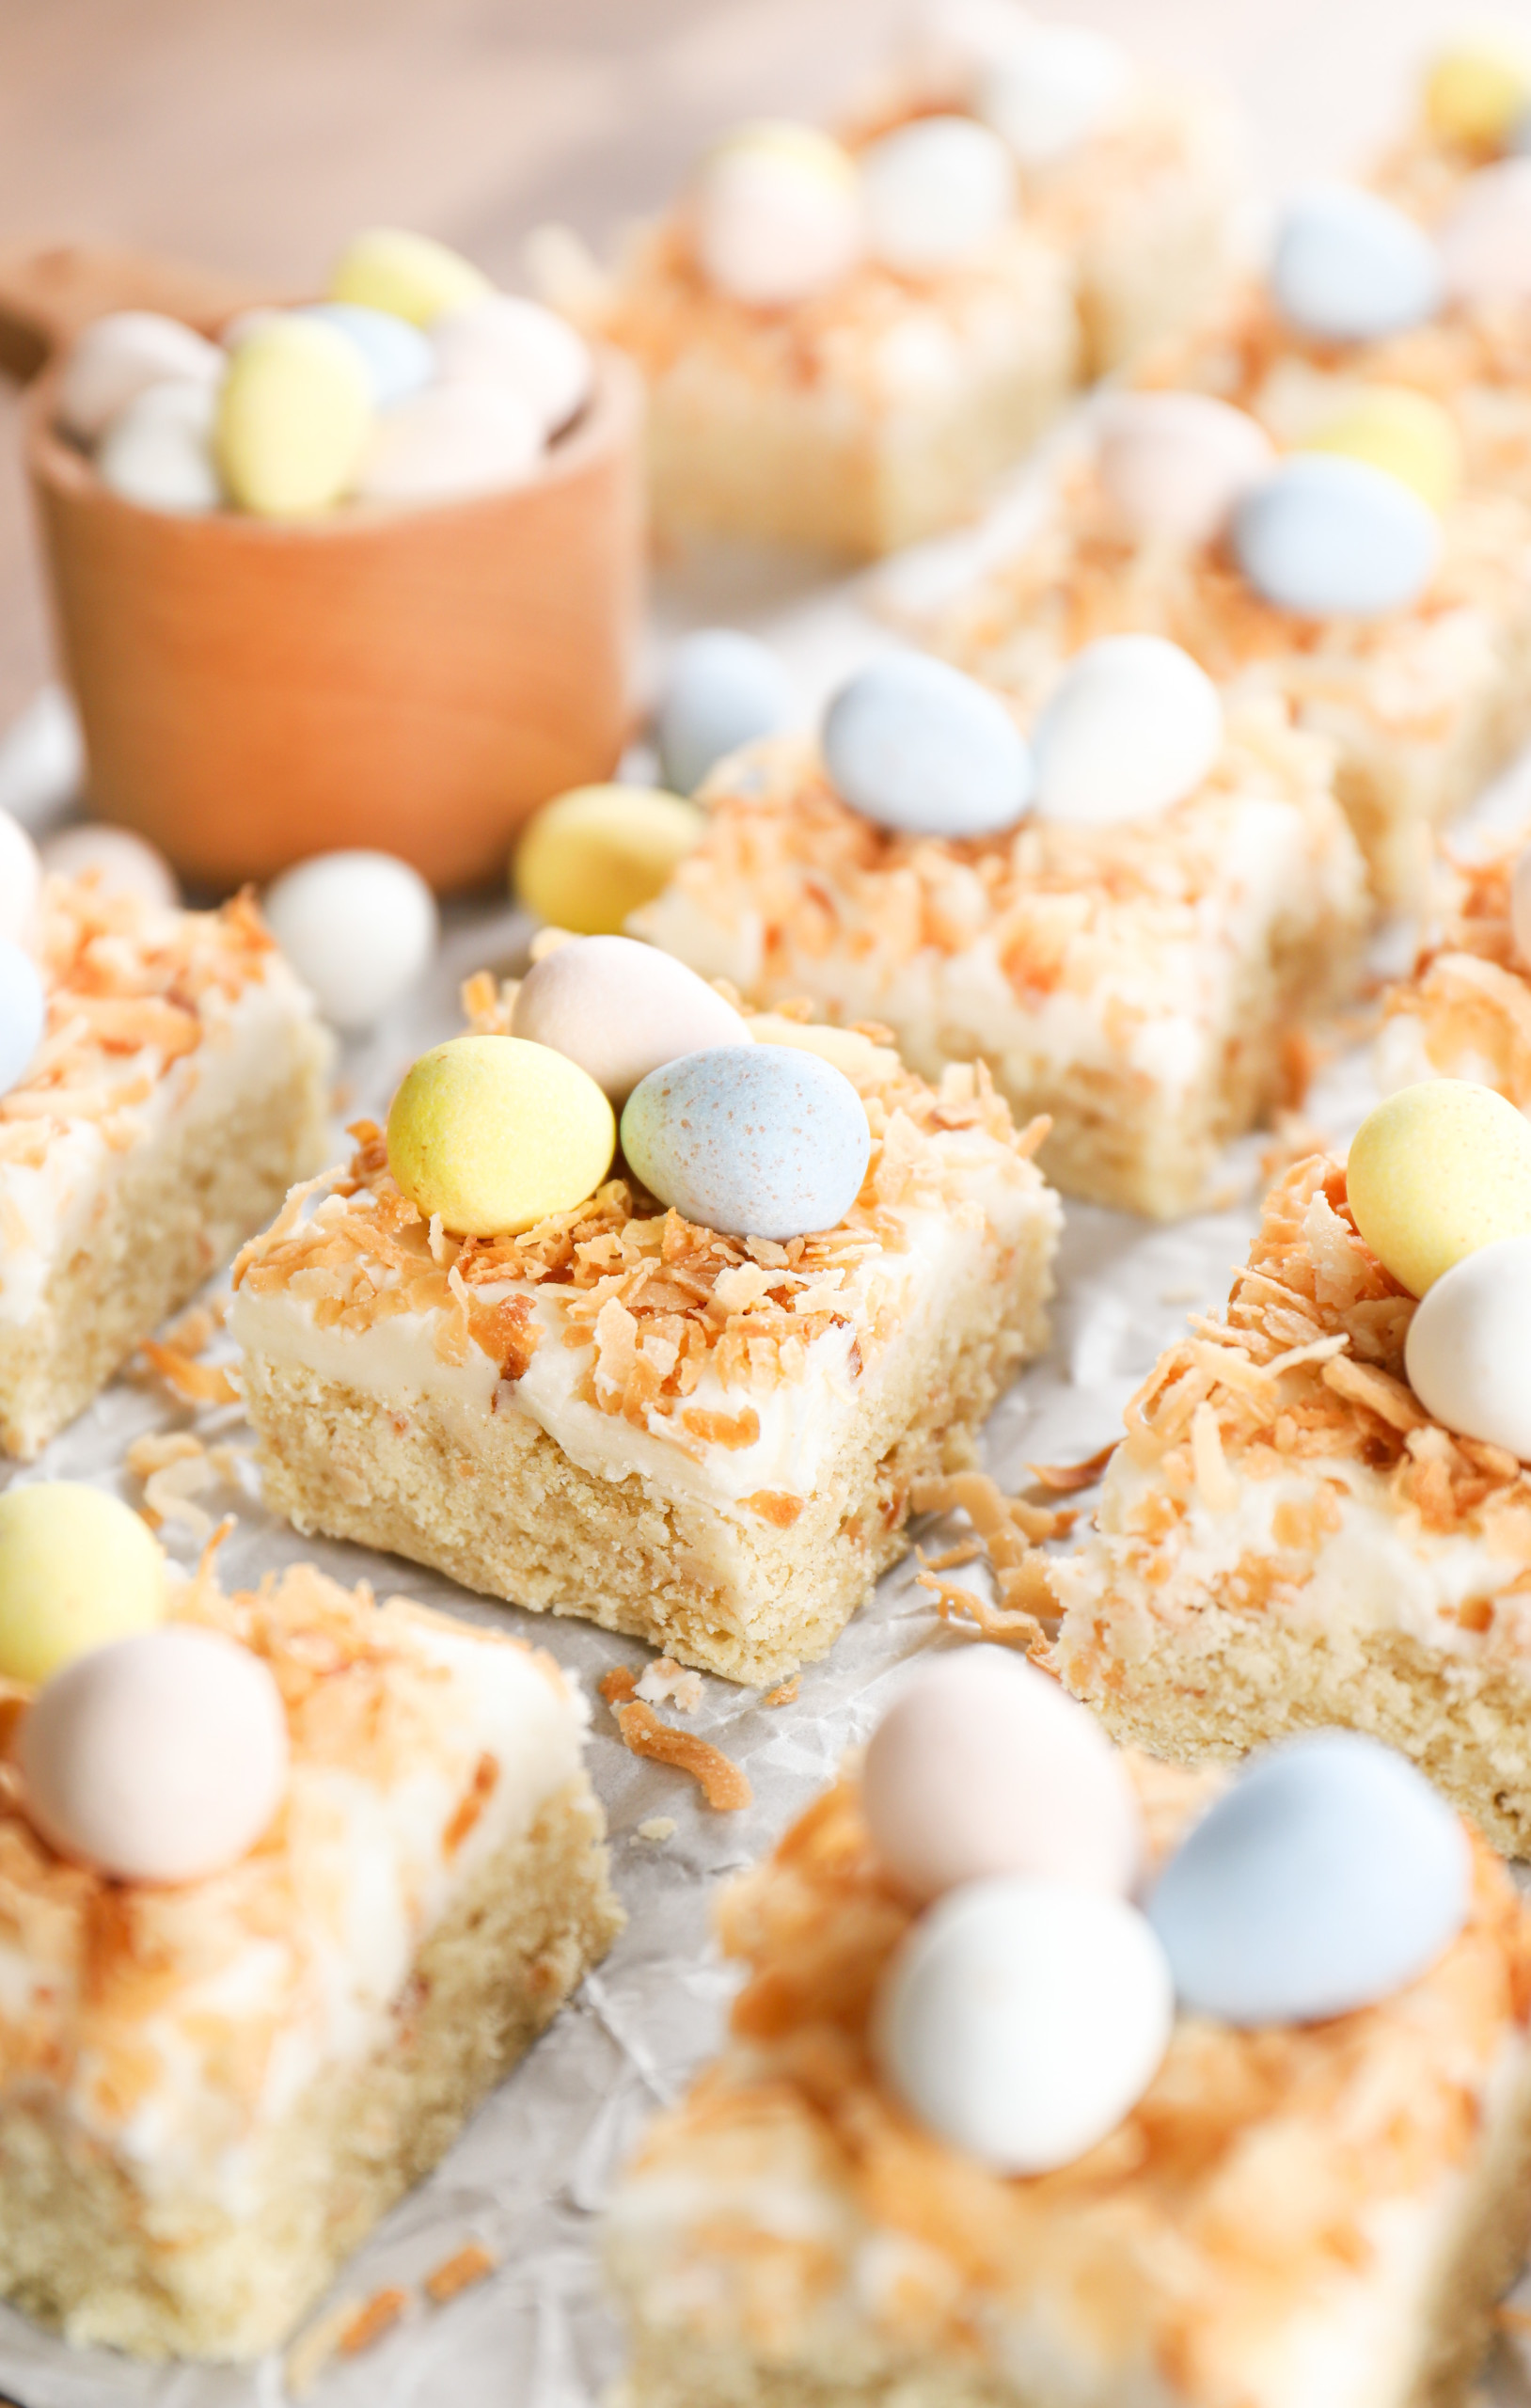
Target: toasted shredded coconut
x=470, y=2265
x=199, y=1382
x=376, y=2316
x=664, y=1681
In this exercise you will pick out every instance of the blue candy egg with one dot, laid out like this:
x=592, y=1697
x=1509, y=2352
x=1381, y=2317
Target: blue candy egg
x=724, y=689
x=399, y=359
x=760, y=1141
x=24, y=1013
x=1350, y=267
x=1332, y=537
x=1326, y=1878
x=921, y=748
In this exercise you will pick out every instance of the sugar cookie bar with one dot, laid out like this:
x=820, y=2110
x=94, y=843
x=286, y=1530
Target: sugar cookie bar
x=209, y=2094
x=182, y=1087
x=706, y=1441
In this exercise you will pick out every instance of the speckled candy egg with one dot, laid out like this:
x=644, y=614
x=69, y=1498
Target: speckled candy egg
x=158, y=451
x=1133, y=726
x=20, y=880
x=1329, y=537
x=591, y=856
x=921, y=748
x=1173, y=464
x=1350, y=267
x=504, y=339
x=722, y=689
x=776, y=214
x=448, y=442
x=1435, y=1172
x=294, y=413
x=360, y=928
x=494, y=1134
x=409, y=275
x=24, y=1013
x=398, y=358
x=751, y=1140
x=1053, y=86
x=118, y=863
x=161, y=1759
x=118, y=357
x=621, y=1009
x=936, y=191
x=1486, y=239
x=984, y=1766
x=1326, y=1878
x=1469, y=1345
x=1021, y=2019
x=77, y=1568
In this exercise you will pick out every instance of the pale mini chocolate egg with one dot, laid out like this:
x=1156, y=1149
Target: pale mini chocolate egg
x=1331, y=537
x=77, y=1568
x=1486, y=237
x=1478, y=92
x=495, y=1133
x=21, y=880
x=293, y=417
x=1436, y=1171
x=752, y=1140
x=1350, y=267
x=776, y=214
x=408, y=275
x=1133, y=726
x=504, y=339
x=591, y=856
x=1049, y=87
x=24, y=1013
x=1468, y=1352
x=983, y=1765
x=1174, y=465
x=161, y=1758
x=722, y=689
x=936, y=192
x=117, y=356
x=158, y=452
x=621, y=1009
x=360, y=928
x=115, y=860
x=449, y=441
x=924, y=751
x=399, y=359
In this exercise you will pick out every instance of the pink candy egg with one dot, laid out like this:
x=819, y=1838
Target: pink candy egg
x=1174, y=464
x=1486, y=242
x=119, y=863
x=160, y=1758
x=984, y=1767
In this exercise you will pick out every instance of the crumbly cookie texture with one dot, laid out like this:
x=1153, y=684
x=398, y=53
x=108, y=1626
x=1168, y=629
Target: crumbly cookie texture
x=1328, y=2210
x=181, y=1087
x=208, y=2095
x=1285, y=1538
x=1155, y=987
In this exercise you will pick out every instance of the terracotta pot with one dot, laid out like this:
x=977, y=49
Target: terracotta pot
x=416, y=679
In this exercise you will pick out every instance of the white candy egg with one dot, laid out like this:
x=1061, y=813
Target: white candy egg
x=1520, y=907
x=119, y=357
x=358, y=927
x=160, y=1758
x=118, y=860
x=621, y=1010
x=24, y=1013
x=158, y=451
x=1469, y=1345
x=504, y=339
x=936, y=191
x=21, y=878
x=1133, y=726
x=777, y=214
x=1173, y=464
x=982, y=1767
x=449, y=441
x=1051, y=89
x=1022, y=2018
x=1485, y=241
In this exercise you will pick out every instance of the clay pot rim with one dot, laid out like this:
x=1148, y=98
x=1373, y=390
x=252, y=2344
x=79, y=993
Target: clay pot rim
x=604, y=425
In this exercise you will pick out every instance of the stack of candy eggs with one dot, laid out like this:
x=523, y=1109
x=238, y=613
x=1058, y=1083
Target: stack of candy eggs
x=150, y=1750
x=1030, y=2005
x=414, y=381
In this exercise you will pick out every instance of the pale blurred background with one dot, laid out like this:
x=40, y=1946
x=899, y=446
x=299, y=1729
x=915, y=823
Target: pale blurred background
x=256, y=135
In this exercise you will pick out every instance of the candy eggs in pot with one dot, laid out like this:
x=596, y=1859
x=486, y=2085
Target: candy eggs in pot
x=358, y=927
x=1486, y=239
x=158, y=451
x=721, y=689
x=449, y=441
x=983, y=1765
x=1329, y=537
x=24, y=1013
x=922, y=750
x=1050, y=90
x=776, y=214
x=408, y=275
x=1469, y=1347
x=751, y=1140
x=116, y=860
x=504, y=339
x=593, y=855
x=293, y=415
x=1173, y=464
x=1022, y=2018
x=495, y=1133
x=117, y=356
x=621, y=1009
x=77, y=1568
x=936, y=191
x=398, y=358
x=1133, y=726
x=1436, y=1171
x=1328, y=1876
x=1350, y=267
x=162, y=1758
x=21, y=880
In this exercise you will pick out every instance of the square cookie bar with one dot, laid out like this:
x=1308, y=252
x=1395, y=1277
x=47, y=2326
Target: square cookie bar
x=1145, y=984
x=181, y=1087
x=1291, y=2212
x=210, y=2092
x=1287, y=1539
x=710, y=1442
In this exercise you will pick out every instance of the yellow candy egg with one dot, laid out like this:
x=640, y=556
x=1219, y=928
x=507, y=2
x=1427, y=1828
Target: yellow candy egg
x=1406, y=433
x=409, y=275
x=294, y=413
x=597, y=852
x=1474, y=96
x=77, y=1568
x=1436, y=1172
x=495, y=1133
